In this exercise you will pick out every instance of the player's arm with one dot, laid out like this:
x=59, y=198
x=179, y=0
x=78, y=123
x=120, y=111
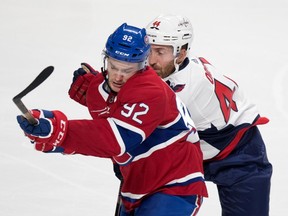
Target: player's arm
x=55, y=133
x=99, y=137
x=126, y=129
x=128, y=126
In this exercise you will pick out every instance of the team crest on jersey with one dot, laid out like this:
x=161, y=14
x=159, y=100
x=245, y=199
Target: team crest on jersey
x=175, y=87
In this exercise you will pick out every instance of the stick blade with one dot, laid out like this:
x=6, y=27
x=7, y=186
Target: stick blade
x=36, y=82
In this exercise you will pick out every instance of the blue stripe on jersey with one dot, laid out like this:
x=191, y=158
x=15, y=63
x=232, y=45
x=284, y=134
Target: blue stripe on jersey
x=130, y=138
x=160, y=138
x=160, y=135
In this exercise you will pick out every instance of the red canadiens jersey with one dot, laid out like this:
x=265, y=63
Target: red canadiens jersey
x=218, y=108
x=147, y=130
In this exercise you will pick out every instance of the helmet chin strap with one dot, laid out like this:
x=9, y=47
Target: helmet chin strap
x=104, y=71
x=176, y=65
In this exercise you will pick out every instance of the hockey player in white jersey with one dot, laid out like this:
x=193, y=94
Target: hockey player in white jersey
x=235, y=158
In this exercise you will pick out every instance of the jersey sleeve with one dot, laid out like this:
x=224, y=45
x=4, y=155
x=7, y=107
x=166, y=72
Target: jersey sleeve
x=133, y=117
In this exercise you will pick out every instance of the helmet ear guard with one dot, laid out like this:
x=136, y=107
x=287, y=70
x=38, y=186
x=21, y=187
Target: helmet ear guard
x=171, y=30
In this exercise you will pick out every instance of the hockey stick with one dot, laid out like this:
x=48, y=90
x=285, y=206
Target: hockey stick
x=36, y=82
x=118, y=204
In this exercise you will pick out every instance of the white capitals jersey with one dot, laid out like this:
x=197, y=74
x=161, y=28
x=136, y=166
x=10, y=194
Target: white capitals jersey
x=218, y=108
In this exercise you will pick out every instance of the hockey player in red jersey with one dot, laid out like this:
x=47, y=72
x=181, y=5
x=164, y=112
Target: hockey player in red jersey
x=138, y=122
x=233, y=150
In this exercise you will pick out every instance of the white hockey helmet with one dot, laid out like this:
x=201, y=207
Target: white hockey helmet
x=171, y=30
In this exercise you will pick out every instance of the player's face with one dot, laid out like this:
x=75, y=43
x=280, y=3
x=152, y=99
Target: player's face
x=119, y=72
x=161, y=59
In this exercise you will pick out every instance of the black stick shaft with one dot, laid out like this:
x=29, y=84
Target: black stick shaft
x=35, y=83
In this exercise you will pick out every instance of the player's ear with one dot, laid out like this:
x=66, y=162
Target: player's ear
x=181, y=56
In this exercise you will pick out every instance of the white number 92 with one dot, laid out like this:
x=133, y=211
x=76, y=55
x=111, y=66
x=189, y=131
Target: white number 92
x=127, y=38
x=129, y=111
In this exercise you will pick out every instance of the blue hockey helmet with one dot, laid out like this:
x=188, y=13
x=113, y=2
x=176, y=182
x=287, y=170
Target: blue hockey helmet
x=128, y=44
